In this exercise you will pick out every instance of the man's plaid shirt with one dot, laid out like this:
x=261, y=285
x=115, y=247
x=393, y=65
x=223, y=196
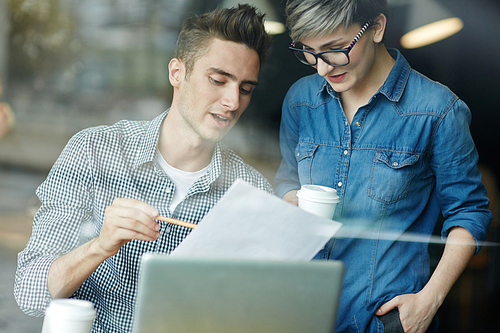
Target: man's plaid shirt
x=98, y=165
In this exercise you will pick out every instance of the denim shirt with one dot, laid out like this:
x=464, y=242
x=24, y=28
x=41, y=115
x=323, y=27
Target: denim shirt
x=407, y=155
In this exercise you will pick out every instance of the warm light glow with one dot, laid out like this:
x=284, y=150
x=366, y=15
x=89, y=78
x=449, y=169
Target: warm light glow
x=431, y=33
x=274, y=28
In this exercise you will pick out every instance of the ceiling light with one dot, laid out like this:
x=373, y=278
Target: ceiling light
x=429, y=22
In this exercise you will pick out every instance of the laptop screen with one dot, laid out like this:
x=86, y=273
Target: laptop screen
x=213, y=295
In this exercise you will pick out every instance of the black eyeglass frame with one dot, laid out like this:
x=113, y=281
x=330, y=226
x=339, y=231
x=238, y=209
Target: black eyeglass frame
x=320, y=54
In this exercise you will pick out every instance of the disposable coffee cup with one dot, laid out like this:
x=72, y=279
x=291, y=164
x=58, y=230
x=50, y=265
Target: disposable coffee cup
x=318, y=200
x=69, y=315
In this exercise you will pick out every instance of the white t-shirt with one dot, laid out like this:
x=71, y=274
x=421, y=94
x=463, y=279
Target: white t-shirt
x=183, y=180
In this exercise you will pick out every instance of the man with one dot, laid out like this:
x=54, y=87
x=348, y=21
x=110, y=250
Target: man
x=397, y=148
x=110, y=183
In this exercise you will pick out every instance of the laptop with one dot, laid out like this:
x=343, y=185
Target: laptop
x=214, y=295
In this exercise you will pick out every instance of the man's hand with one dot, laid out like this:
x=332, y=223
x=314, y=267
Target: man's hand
x=124, y=220
x=416, y=311
x=291, y=197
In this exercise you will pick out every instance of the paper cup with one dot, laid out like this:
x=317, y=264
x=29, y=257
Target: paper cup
x=318, y=200
x=69, y=315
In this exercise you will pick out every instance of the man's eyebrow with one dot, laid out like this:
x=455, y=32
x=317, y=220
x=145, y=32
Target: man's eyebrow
x=231, y=76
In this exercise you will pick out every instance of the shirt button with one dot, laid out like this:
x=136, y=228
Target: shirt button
x=168, y=190
x=346, y=123
x=395, y=164
x=298, y=154
x=339, y=184
x=346, y=152
x=358, y=124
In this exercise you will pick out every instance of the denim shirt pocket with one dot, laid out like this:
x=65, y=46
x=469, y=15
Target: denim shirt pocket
x=304, y=152
x=391, y=175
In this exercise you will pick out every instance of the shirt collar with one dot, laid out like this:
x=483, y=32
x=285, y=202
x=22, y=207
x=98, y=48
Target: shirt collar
x=149, y=141
x=395, y=83
x=324, y=86
x=393, y=86
x=213, y=173
x=149, y=145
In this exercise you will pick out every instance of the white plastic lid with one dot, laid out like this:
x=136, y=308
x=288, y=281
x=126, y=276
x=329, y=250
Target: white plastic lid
x=74, y=309
x=318, y=193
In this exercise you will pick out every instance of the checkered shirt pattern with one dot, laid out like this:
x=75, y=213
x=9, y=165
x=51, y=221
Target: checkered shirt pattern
x=98, y=165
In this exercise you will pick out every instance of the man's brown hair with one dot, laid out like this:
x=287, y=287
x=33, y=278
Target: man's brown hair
x=242, y=24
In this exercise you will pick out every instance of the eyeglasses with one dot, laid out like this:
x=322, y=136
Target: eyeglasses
x=338, y=57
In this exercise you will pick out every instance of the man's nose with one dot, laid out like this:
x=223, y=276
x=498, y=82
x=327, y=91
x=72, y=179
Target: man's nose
x=323, y=68
x=231, y=98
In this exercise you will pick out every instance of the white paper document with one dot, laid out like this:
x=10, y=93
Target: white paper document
x=248, y=223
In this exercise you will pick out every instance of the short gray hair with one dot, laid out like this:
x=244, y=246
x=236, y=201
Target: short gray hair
x=307, y=18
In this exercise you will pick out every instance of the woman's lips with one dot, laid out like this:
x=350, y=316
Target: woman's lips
x=336, y=78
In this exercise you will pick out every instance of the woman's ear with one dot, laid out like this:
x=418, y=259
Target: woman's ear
x=379, y=24
x=176, y=72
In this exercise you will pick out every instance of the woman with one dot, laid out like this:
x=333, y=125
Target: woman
x=397, y=148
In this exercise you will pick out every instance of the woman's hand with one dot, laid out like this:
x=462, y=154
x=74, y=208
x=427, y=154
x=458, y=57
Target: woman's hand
x=416, y=311
x=291, y=197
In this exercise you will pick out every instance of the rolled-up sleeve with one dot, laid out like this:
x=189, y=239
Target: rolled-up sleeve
x=461, y=194
x=56, y=226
